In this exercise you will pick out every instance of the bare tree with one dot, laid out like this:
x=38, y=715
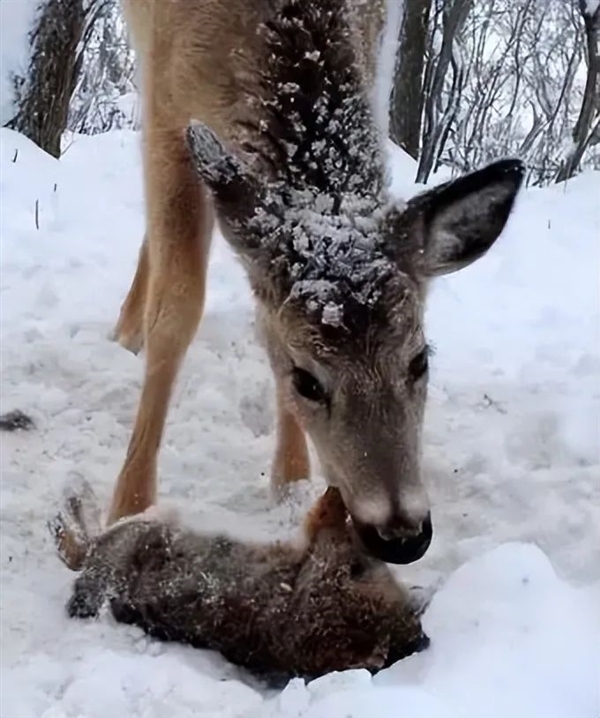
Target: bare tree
x=474, y=80
x=449, y=19
x=587, y=128
x=58, y=41
x=512, y=87
x=406, y=109
x=104, y=98
x=43, y=96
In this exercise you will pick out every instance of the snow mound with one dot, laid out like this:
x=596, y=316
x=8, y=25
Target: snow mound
x=524, y=642
x=503, y=630
x=511, y=453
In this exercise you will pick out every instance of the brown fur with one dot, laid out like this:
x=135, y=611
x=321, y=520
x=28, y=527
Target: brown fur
x=277, y=609
x=288, y=153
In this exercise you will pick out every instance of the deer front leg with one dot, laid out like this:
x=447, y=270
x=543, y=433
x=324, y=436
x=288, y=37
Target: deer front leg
x=177, y=241
x=129, y=331
x=291, y=462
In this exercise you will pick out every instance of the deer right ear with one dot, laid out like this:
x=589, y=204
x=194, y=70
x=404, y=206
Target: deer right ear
x=228, y=177
x=452, y=225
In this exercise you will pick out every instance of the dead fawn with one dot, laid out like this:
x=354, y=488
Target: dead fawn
x=288, y=156
x=280, y=609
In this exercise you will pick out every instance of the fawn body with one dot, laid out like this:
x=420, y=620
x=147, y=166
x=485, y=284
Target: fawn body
x=279, y=609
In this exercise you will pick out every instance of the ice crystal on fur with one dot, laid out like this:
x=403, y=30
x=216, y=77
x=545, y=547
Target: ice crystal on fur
x=329, y=259
x=318, y=142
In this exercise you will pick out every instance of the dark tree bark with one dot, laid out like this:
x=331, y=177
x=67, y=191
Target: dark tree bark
x=586, y=131
x=406, y=107
x=454, y=15
x=43, y=96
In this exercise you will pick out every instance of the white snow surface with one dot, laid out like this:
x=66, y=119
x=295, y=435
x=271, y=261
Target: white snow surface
x=591, y=6
x=16, y=22
x=511, y=456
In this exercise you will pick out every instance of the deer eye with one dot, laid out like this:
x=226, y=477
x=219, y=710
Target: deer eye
x=307, y=385
x=419, y=364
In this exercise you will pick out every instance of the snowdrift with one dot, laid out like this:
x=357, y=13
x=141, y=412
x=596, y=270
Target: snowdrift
x=511, y=439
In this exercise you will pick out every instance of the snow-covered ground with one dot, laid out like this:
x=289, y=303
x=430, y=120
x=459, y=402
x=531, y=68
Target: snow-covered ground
x=512, y=454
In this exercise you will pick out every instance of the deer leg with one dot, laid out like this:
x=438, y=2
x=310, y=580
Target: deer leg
x=129, y=331
x=178, y=239
x=291, y=462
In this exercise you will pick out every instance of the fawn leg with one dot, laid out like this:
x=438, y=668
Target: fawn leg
x=178, y=238
x=76, y=524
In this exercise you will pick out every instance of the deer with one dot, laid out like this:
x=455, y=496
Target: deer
x=298, y=608
x=260, y=116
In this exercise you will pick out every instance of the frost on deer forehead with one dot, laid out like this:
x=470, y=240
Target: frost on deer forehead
x=331, y=255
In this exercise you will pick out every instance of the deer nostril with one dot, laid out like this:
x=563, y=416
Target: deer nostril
x=401, y=527
x=388, y=533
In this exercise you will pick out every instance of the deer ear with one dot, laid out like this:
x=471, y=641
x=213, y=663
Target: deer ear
x=457, y=222
x=227, y=176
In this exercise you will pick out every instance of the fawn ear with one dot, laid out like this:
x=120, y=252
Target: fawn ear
x=452, y=225
x=329, y=512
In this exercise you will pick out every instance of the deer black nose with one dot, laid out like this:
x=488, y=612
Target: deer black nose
x=396, y=542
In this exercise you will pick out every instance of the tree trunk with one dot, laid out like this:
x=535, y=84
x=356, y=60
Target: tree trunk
x=406, y=109
x=584, y=132
x=454, y=17
x=43, y=96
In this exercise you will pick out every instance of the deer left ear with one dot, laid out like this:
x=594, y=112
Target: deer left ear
x=227, y=176
x=214, y=164
x=457, y=222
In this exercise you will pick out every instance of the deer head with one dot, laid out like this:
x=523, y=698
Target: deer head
x=341, y=284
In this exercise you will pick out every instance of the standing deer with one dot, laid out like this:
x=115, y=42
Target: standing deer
x=260, y=112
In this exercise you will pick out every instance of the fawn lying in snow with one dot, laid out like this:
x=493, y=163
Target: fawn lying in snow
x=277, y=609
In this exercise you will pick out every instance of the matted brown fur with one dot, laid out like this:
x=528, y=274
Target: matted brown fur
x=280, y=609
